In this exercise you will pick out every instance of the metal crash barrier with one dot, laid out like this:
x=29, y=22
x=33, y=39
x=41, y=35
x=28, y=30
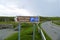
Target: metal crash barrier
x=42, y=34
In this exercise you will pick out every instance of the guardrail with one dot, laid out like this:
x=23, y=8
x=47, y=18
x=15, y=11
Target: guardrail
x=42, y=34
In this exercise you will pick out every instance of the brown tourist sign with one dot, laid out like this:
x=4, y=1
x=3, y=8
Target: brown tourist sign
x=27, y=19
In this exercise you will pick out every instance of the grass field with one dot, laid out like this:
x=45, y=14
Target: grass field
x=43, y=19
x=56, y=22
x=26, y=33
x=13, y=23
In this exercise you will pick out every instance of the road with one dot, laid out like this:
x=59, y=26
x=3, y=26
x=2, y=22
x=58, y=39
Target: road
x=52, y=30
x=4, y=33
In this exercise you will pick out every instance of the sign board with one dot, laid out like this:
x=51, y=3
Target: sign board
x=27, y=19
x=34, y=19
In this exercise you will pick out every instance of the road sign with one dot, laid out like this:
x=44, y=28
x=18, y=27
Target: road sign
x=27, y=19
x=34, y=19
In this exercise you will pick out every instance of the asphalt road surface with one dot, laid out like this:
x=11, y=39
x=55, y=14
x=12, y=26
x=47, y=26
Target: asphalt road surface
x=52, y=30
x=4, y=33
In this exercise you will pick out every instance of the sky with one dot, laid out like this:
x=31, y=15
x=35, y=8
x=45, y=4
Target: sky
x=29, y=7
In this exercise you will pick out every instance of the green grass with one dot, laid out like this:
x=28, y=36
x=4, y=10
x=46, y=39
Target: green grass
x=26, y=33
x=57, y=22
x=43, y=19
x=13, y=23
x=12, y=37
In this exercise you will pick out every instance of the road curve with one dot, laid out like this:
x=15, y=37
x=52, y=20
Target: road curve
x=52, y=30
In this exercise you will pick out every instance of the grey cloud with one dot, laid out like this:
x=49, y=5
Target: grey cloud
x=37, y=7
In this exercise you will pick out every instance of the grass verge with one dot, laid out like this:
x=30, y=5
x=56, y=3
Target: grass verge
x=13, y=23
x=12, y=37
x=56, y=22
x=26, y=33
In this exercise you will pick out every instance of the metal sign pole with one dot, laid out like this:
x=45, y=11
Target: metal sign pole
x=34, y=31
x=30, y=19
x=19, y=27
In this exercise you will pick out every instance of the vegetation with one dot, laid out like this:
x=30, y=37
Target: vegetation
x=26, y=30
x=26, y=33
x=13, y=37
x=13, y=23
x=43, y=19
x=6, y=19
x=56, y=22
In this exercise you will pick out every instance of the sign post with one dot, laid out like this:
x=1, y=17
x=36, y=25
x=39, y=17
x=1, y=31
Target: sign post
x=19, y=27
x=28, y=19
x=34, y=20
x=34, y=31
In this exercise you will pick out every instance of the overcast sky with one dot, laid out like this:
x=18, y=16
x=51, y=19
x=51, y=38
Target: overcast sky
x=30, y=7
